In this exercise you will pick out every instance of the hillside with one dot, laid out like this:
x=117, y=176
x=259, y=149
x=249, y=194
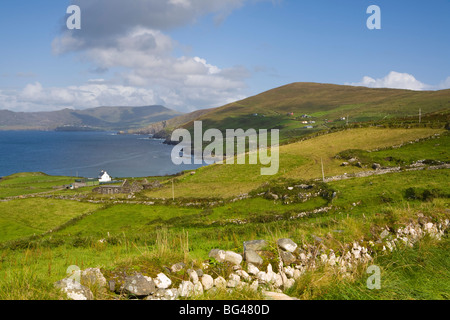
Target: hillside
x=101, y=118
x=326, y=106
x=149, y=232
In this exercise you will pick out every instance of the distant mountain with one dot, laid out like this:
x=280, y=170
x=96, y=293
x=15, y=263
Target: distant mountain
x=101, y=118
x=301, y=108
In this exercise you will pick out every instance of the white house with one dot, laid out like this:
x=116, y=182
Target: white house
x=104, y=177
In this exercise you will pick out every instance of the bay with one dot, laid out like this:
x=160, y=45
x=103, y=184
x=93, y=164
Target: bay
x=85, y=154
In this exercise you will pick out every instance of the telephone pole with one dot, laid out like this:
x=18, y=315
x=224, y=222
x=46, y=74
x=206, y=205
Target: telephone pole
x=420, y=116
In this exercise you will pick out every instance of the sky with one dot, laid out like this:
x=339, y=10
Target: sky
x=195, y=54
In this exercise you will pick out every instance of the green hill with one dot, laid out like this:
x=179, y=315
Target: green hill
x=293, y=107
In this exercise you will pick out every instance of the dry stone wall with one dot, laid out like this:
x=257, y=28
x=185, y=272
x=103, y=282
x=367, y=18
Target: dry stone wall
x=262, y=269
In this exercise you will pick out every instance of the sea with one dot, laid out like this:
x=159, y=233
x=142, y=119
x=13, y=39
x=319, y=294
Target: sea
x=85, y=154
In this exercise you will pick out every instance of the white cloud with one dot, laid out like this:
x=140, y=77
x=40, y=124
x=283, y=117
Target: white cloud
x=445, y=84
x=133, y=45
x=394, y=80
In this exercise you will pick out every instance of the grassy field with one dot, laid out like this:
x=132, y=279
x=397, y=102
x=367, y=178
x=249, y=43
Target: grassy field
x=301, y=160
x=146, y=237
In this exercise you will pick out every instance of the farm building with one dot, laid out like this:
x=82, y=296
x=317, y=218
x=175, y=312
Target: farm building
x=126, y=187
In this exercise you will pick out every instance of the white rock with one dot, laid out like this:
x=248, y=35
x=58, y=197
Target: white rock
x=287, y=245
x=162, y=281
x=198, y=289
x=207, y=281
x=233, y=257
x=289, y=283
x=252, y=269
x=255, y=285
x=186, y=289
x=244, y=275
x=193, y=276
x=220, y=282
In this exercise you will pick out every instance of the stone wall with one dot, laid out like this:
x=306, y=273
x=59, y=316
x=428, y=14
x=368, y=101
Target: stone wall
x=259, y=267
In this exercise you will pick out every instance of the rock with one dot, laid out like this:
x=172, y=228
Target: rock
x=244, y=275
x=297, y=274
x=255, y=245
x=171, y=294
x=287, y=257
x=255, y=285
x=252, y=269
x=287, y=245
x=277, y=280
x=193, y=276
x=272, y=196
x=199, y=272
x=262, y=276
x=233, y=257
x=74, y=289
x=217, y=254
x=198, y=289
x=220, y=282
x=289, y=271
x=376, y=166
x=139, y=285
x=344, y=164
x=207, y=281
x=233, y=281
x=178, y=267
x=289, y=284
x=162, y=281
x=93, y=276
x=112, y=285
x=252, y=257
x=186, y=289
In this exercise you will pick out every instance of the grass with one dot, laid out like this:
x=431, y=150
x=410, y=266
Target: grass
x=147, y=238
x=301, y=160
x=418, y=273
x=29, y=183
x=17, y=220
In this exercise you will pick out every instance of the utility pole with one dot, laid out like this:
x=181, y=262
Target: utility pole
x=420, y=115
x=347, y=120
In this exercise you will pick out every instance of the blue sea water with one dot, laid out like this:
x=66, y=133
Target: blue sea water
x=85, y=154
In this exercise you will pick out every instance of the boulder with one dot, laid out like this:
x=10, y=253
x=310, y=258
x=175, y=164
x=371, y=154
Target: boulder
x=287, y=257
x=207, y=281
x=193, y=276
x=217, y=254
x=233, y=257
x=139, y=285
x=376, y=166
x=162, y=281
x=252, y=269
x=186, y=289
x=220, y=282
x=287, y=245
x=177, y=267
x=93, y=276
x=198, y=289
x=255, y=245
x=252, y=257
x=171, y=294
x=74, y=289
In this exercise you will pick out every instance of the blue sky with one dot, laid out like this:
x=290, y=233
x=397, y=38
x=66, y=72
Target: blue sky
x=191, y=54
